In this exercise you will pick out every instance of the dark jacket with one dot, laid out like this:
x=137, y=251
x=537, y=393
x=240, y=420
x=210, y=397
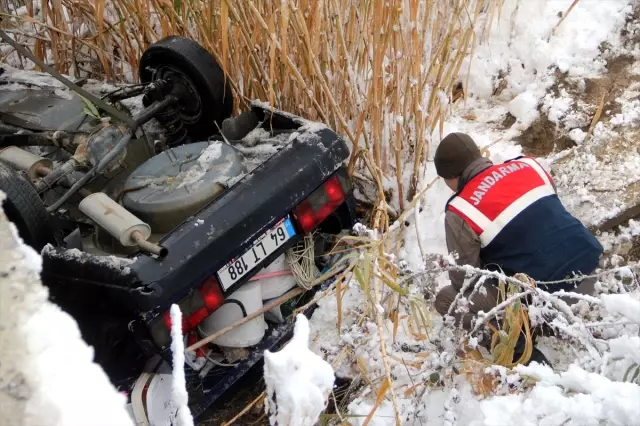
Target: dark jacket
x=543, y=241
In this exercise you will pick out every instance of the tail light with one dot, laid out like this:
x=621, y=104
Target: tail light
x=320, y=204
x=195, y=308
x=198, y=305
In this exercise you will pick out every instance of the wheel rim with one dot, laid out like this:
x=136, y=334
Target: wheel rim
x=189, y=102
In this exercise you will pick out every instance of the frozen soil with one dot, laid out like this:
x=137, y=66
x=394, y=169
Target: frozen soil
x=543, y=138
x=593, y=123
x=236, y=399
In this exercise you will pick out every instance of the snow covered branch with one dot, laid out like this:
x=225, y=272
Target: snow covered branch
x=179, y=387
x=485, y=318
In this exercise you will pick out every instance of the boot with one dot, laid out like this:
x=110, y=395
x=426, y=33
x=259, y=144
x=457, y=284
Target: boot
x=536, y=355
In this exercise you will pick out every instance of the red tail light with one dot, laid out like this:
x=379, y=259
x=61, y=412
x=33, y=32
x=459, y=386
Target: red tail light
x=319, y=205
x=198, y=305
x=334, y=190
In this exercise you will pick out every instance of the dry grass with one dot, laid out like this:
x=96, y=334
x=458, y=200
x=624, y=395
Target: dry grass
x=514, y=323
x=380, y=72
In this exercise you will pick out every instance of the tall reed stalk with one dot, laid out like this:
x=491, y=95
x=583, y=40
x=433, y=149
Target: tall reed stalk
x=379, y=72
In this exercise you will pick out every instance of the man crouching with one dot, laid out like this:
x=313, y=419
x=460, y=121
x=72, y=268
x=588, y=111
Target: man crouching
x=508, y=217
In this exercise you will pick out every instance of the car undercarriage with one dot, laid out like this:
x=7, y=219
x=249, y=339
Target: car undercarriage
x=129, y=224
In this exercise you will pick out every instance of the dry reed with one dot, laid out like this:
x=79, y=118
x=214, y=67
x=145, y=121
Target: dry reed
x=379, y=72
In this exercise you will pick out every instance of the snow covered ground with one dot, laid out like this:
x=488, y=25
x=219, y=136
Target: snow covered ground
x=47, y=373
x=533, y=90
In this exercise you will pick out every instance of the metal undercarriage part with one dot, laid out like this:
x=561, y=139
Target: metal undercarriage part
x=34, y=165
x=170, y=187
x=121, y=224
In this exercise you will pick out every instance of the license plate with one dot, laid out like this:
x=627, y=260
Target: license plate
x=261, y=248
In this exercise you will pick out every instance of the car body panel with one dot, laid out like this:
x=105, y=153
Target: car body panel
x=218, y=232
x=47, y=108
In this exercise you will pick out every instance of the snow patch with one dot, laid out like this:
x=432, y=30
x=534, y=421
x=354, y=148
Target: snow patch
x=298, y=381
x=47, y=373
x=524, y=48
x=575, y=397
x=209, y=155
x=524, y=108
x=630, y=114
x=577, y=135
x=622, y=304
x=195, y=173
x=557, y=108
x=121, y=264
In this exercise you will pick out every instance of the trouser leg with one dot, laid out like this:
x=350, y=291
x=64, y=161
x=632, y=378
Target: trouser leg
x=477, y=303
x=488, y=301
x=586, y=286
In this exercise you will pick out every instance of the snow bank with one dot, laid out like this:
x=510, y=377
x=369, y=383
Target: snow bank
x=47, y=373
x=523, y=47
x=298, y=381
x=575, y=397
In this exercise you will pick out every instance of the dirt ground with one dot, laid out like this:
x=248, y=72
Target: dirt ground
x=236, y=399
x=250, y=388
x=543, y=138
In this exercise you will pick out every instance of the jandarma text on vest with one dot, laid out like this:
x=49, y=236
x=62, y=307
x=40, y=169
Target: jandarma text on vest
x=487, y=183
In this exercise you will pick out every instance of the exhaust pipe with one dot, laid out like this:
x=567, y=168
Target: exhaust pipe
x=120, y=223
x=19, y=159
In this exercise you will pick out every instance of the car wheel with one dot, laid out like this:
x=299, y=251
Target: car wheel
x=206, y=98
x=25, y=209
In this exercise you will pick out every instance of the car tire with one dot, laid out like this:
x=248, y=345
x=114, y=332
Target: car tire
x=25, y=209
x=203, y=72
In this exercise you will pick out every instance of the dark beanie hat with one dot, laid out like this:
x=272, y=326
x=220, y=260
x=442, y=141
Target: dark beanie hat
x=454, y=154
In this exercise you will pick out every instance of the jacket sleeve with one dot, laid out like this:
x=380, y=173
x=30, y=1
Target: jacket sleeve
x=465, y=242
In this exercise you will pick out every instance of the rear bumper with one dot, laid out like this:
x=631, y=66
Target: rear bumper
x=220, y=231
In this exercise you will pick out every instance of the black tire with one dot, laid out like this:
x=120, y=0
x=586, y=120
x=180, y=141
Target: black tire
x=25, y=209
x=204, y=73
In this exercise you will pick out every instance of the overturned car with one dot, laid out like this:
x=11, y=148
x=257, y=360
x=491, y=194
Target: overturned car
x=204, y=216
